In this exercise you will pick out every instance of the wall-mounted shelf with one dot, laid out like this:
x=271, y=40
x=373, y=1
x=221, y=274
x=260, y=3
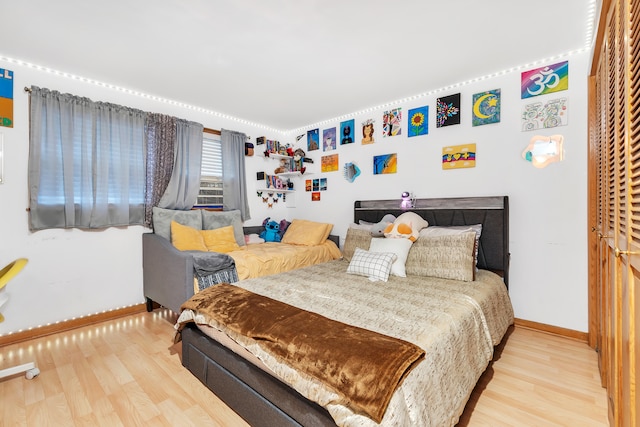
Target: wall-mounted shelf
x=276, y=190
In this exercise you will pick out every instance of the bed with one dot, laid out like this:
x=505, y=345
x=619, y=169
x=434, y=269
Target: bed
x=434, y=391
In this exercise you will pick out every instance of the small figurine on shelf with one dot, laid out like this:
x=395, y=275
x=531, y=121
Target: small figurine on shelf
x=283, y=168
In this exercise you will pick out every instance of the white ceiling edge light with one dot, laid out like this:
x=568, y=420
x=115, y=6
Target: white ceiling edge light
x=592, y=9
x=132, y=92
x=435, y=91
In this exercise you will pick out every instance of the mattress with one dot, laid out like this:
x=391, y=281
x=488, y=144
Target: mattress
x=456, y=323
x=256, y=260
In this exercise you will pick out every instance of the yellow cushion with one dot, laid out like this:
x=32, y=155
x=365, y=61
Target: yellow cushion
x=186, y=238
x=220, y=240
x=307, y=233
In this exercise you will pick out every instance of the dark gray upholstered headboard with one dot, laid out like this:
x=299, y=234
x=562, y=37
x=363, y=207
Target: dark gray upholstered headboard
x=491, y=212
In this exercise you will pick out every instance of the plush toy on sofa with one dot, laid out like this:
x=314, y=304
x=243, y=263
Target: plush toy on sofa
x=271, y=231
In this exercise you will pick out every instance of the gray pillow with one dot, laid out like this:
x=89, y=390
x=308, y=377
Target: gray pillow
x=212, y=220
x=162, y=220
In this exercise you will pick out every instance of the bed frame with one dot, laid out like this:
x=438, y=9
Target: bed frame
x=263, y=400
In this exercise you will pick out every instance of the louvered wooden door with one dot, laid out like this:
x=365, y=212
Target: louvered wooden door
x=614, y=156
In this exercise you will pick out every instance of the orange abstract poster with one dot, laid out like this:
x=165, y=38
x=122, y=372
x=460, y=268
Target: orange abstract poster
x=330, y=163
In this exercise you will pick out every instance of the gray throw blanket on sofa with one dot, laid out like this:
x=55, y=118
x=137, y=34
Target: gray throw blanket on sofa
x=211, y=268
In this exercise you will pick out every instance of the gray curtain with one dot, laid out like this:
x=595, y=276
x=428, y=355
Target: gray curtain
x=160, y=135
x=234, y=178
x=86, y=162
x=184, y=185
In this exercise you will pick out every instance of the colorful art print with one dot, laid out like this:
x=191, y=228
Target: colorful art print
x=308, y=185
x=368, y=130
x=316, y=184
x=459, y=156
x=315, y=196
x=486, y=108
x=419, y=121
x=323, y=184
x=544, y=80
x=392, y=122
x=540, y=115
x=313, y=139
x=329, y=163
x=347, y=130
x=448, y=110
x=329, y=139
x=386, y=163
x=6, y=98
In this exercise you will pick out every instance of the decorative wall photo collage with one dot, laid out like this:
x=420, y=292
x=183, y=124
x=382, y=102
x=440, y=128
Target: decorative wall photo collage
x=486, y=109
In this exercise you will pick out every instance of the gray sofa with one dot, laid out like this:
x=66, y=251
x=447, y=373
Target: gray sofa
x=168, y=272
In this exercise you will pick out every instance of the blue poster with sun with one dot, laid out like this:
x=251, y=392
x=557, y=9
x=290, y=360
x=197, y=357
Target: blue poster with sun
x=486, y=108
x=419, y=121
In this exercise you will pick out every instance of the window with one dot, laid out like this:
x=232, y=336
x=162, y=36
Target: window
x=211, y=173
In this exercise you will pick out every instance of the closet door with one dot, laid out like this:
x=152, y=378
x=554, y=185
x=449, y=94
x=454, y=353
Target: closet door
x=631, y=316
x=615, y=161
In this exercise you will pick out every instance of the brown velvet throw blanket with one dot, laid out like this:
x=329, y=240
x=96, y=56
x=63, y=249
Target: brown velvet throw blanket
x=362, y=366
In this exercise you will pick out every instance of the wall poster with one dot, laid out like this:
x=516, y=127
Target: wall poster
x=6, y=98
x=459, y=156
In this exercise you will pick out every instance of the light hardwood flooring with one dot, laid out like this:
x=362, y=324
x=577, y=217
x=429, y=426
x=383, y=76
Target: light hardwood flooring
x=127, y=372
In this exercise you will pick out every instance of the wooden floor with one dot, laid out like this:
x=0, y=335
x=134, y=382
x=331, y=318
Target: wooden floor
x=127, y=372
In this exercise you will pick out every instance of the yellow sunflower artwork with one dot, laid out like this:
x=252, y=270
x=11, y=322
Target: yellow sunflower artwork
x=419, y=121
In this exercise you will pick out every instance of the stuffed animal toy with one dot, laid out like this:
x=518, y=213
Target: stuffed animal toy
x=378, y=229
x=407, y=225
x=290, y=152
x=270, y=233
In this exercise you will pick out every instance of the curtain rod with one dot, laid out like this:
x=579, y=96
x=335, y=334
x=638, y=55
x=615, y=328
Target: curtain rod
x=207, y=130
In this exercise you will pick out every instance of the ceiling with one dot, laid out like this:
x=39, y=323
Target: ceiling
x=287, y=64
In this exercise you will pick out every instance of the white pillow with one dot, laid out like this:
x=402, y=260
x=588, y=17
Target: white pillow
x=374, y=265
x=400, y=247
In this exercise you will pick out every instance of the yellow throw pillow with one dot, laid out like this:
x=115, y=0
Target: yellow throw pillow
x=186, y=238
x=307, y=233
x=220, y=240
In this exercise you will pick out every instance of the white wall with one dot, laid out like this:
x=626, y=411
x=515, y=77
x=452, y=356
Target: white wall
x=548, y=207
x=73, y=273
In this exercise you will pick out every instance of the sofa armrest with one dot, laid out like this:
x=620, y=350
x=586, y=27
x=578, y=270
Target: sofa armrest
x=167, y=272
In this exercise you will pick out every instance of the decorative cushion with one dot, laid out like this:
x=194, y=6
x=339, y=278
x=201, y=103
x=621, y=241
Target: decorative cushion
x=407, y=225
x=306, y=233
x=446, y=257
x=375, y=265
x=186, y=238
x=399, y=247
x=437, y=230
x=162, y=220
x=212, y=220
x=356, y=238
x=220, y=240
x=363, y=225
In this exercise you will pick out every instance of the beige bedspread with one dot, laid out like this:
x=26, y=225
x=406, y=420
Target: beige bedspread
x=456, y=323
x=257, y=260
